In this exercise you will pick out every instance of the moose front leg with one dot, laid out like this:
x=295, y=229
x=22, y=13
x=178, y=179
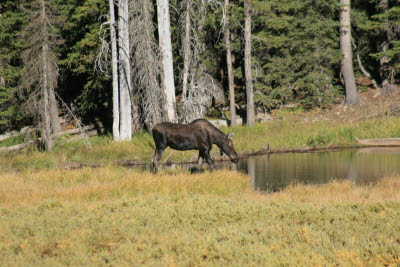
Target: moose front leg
x=155, y=160
x=200, y=161
x=208, y=159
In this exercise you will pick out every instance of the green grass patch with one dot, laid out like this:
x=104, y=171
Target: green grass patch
x=15, y=140
x=294, y=133
x=291, y=133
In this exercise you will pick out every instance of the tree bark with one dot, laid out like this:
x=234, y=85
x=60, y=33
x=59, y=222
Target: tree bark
x=164, y=33
x=347, y=61
x=387, y=87
x=247, y=63
x=186, y=51
x=46, y=131
x=231, y=84
x=55, y=120
x=114, y=58
x=124, y=72
x=363, y=70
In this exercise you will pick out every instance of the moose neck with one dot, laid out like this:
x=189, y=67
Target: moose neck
x=219, y=138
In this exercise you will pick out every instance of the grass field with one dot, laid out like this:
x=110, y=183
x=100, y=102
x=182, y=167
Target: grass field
x=115, y=216
x=52, y=214
x=290, y=133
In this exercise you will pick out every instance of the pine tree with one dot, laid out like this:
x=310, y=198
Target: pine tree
x=296, y=52
x=388, y=24
x=40, y=72
x=89, y=92
x=11, y=22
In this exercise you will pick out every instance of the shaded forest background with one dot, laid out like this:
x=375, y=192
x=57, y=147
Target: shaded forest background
x=295, y=53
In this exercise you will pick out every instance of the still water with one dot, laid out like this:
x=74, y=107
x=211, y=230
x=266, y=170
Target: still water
x=362, y=166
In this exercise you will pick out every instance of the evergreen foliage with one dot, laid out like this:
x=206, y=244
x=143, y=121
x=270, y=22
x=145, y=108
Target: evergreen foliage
x=11, y=22
x=90, y=92
x=370, y=24
x=295, y=51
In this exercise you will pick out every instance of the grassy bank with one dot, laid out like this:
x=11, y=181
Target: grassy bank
x=115, y=216
x=291, y=133
x=374, y=117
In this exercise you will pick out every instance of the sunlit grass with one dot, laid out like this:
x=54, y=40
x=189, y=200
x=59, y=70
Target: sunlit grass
x=289, y=133
x=91, y=184
x=115, y=216
x=294, y=133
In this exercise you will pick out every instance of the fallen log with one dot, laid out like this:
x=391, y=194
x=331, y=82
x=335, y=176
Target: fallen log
x=8, y=135
x=18, y=147
x=90, y=128
x=380, y=141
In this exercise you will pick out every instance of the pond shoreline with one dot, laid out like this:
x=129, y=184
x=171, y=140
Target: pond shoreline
x=260, y=152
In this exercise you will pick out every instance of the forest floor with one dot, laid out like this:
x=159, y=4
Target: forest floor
x=52, y=214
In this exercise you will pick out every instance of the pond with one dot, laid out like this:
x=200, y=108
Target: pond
x=272, y=172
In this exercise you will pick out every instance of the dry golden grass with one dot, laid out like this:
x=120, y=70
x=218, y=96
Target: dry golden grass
x=108, y=183
x=387, y=189
x=91, y=184
x=116, y=216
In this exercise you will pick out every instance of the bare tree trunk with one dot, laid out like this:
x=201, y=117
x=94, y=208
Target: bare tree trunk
x=387, y=87
x=114, y=63
x=136, y=124
x=146, y=64
x=363, y=70
x=124, y=72
x=55, y=120
x=229, y=67
x=166, y=52
x=47, y=127
x=347, y=61
x=186, y=52
x=247, y=64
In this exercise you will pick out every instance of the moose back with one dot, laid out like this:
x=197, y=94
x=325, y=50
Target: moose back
x=199, y=135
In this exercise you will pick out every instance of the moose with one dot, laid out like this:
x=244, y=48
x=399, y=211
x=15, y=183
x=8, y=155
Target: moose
x=200, y=135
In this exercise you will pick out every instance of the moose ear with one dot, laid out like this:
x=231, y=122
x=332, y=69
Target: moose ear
x=230, y=135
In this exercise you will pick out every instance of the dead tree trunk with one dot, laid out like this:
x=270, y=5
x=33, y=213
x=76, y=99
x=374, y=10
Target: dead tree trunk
x=55, y=120
x=247, y=64
x=186, y=51
x=164, y=33
x=146, y=63
x=347, y=61
x=229, y=67
x=363, y=70
x=46, y=130
x=40, y=73
x=114, y=63
x=124, y=72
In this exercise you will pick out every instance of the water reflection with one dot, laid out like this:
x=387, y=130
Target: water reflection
x=275, y=171
x=272, y=172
